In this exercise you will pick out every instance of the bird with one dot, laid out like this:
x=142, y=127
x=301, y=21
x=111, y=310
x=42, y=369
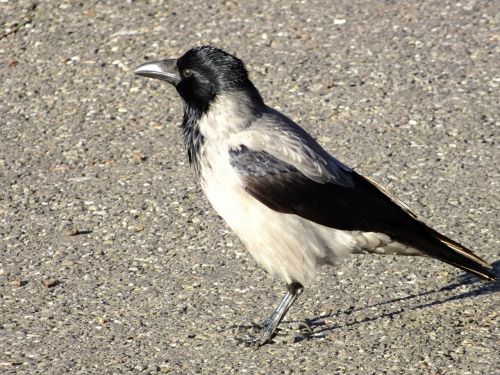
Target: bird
x=294, y=206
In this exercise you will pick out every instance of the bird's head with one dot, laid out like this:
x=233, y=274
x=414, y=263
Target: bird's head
x=201, y=75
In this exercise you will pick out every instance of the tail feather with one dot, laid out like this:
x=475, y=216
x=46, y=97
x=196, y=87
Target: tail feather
x=449, y=251
x=403, y=226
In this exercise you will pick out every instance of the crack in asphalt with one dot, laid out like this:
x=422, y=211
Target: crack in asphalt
x=25, y=21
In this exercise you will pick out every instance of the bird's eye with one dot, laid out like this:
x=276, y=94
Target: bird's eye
x=187, y=73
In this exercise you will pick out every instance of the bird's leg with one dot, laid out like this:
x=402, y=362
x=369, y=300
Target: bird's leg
x=270, y=324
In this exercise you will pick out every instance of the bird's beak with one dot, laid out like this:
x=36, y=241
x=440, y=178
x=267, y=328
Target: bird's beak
x=166, y=70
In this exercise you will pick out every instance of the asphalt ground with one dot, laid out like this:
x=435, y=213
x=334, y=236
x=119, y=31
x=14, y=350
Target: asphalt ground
x=113, y=262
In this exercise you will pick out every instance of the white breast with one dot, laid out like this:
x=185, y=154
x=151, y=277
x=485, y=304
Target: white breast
x=285, y=245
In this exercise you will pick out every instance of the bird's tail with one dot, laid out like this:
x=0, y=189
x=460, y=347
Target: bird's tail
x=418, y=236
x=443, y=248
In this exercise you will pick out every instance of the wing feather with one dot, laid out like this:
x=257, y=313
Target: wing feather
x=359, y=206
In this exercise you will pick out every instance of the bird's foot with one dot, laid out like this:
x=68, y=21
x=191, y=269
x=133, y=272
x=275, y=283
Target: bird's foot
x=255, y=335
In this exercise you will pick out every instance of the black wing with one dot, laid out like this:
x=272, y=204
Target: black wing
x=361, y=207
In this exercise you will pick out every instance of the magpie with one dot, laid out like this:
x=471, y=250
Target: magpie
x=293, y=205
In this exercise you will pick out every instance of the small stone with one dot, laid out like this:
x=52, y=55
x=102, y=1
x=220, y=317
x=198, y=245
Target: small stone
x=18, y=283
x=51, y=283
x=72, y=231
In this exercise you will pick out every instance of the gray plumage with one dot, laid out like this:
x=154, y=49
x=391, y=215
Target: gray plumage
x=293, y=205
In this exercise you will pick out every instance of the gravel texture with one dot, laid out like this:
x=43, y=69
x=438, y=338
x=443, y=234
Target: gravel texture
x=113, y=262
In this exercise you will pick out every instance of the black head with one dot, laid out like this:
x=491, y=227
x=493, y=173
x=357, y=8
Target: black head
x=202, y=74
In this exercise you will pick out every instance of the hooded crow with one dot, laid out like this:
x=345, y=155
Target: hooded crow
x=293, y=205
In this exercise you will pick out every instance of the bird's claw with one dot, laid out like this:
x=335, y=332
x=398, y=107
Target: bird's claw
x=257, y=337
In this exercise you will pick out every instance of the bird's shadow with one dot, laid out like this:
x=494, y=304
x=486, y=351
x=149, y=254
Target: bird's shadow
x=317, y=328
